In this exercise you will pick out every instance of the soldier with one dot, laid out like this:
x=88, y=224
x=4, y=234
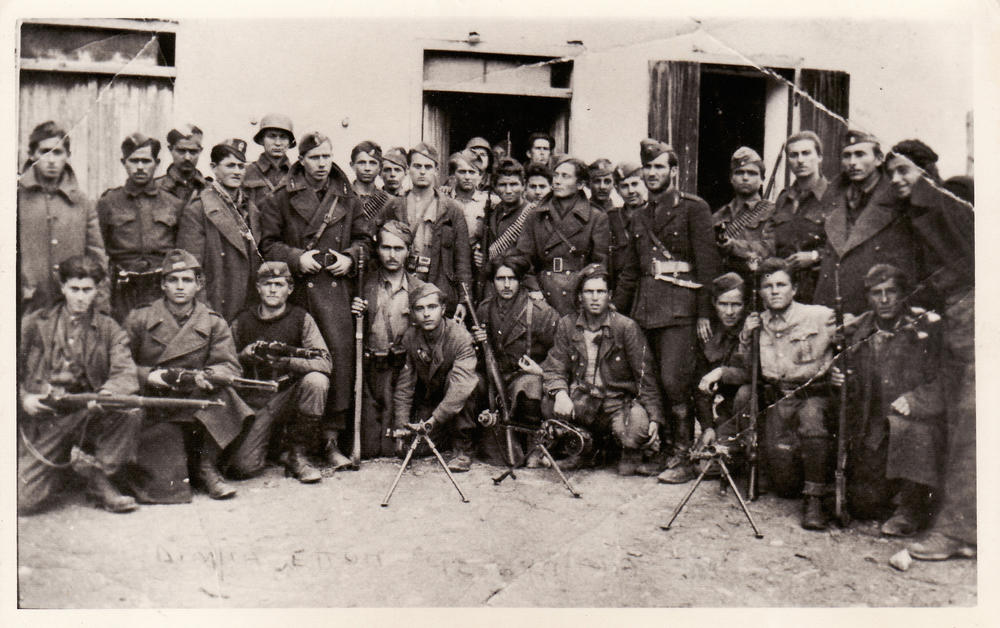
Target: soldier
x=221, y=227
x=628, y=182
x=178, y=331
x=484, y=152
x=438, y=377
x=540, y=148
x=743, y=227
x=394, y=167
x=468, y=171
x=299, y=404
x=313, y=223
x=85, y=351
x=182, y=179
x=366, y=161
x=440, y=253
x=602, y=184
x=139, y=225
x=385, y=296
x=55, y=221
x=521, y=331
x=796, y=351
x=537, y=183
x=799, y=213
x=599, y=374
x=264, y=175
x=671, y=255
x=562, y=236
x=507, y=220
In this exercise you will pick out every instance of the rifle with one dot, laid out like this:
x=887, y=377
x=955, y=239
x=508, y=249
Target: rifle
x=268, y=350
x=753, y=442
x=774, y=171
x=184, y=380
x=359, y=330
x=840, y=477
x=63, y=401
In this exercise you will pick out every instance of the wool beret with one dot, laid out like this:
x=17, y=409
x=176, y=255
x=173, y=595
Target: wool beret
x=310, y=141
x=136, y=141
x=724, y=283
x=625, y=170
x=427, y=151
x=273, y=270
x=399, y=229
x=468, y=158
x=177, y=260
x=746, y=156
x=599, y=168
x=234, y=146
x=395, y=155
x=917, y=152
x=650, y=149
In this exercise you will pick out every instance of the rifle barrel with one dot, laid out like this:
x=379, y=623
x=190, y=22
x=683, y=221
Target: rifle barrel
x=131, y=401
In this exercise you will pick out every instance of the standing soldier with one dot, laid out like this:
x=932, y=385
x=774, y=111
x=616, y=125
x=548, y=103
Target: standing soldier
x=671, y=256
x=800, y=214
x=182, y=179
x=55, y=221
x=394, y=167
x=487, y=160
x=601, y=185
x=468, y=170
x=139, y=225
x=742, y=226
x=540, y=148
x=264, y=175
x=537, y=182
x=313, y=223
x=628, y=182
x=562, y=236
x=221, y=227
x=507, y=220
x=366, y=161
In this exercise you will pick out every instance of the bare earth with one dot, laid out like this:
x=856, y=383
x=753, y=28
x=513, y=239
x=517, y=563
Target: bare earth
x=523, y=543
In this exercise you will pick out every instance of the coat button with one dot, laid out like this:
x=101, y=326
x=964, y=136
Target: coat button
x=54, y=242
x=309, y=285
x=222, y=254
x=333, y=284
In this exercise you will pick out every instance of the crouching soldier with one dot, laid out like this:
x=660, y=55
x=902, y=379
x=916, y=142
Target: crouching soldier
x=281, y=342
x=520, y=330
x=896, y=440
x=177, y=331
x=73, y=346
x=599, y=374
x=438, y=378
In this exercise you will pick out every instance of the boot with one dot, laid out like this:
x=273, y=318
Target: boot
x=208, y=472
x=297, y=465
x=654, y=464
x=334, y=458
x=678, y=471
x=461, y=461
x=629, y=462
x=678, y=468
x=937, y=546
x=99, y=486
x=814, y=517
x=535, y=460
x=911, y=513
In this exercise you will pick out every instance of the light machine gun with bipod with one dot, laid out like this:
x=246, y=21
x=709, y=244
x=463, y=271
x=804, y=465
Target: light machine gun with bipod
x=420, y=433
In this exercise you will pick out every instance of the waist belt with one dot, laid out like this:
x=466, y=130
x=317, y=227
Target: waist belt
x=564, y=265
x=384, y=359
x=669, y=267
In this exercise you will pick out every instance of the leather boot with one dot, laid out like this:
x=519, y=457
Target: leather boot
x=679, y=469
x=814, y=517
x=629, y=462
x=298, y=466
x=911, y=513
x=99, y=486
x=208, y=471
x=536, y=459
x=334, y=458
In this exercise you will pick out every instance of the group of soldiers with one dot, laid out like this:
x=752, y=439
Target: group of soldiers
x=613, y=314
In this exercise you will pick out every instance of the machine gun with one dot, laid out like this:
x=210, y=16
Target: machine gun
x=420, y=433
x=182, y=379
x=840, y=476
x=65, y=402
x=268, y=350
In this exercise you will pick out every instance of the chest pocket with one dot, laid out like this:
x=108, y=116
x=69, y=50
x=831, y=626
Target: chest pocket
x=617, y=365
x=165, y=215
x=804, y=350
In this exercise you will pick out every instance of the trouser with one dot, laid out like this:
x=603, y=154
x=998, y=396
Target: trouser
x=456, y=434
x=797, y=444
x=734, y=403
x=380, y=375
x=620, y=417
x=297, y=408
x=524, y=394
x=134, y=292
x=109, y=435
x=674, y=349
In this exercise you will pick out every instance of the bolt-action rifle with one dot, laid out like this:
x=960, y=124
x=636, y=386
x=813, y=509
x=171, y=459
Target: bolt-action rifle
x=840, y=477
x=185, y=380
x=269, y=350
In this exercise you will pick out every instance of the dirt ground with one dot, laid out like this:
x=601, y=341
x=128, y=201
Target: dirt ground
x=525, y=543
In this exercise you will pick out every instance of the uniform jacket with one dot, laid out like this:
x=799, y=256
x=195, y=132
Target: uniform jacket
x=109, y=364
x=945, y=232
x=880, y=234
x=292, y=216
x=442, y=367
x=171, y=183
x=203, y=342
x=53, y=226
x=508, y=330
x=501, y=218
x=139, y=225
x=755, y=241
x=618, y=239
x=624, y=359
x=263, y=177
x=794, y=348
x=799, y=225
x=370, y=294
x=683, y=224
x=212, y=232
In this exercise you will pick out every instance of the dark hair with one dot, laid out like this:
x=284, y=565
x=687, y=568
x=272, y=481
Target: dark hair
x=81, y=267
x=540, y=135
x=582, y=172
x=774, y=265
x=963, y=187
x=880, y=273
x=591, y=271
x=517, y=264
x=222, y=151
x=510, y=168
x=369, y=147
x=44, y=131
x=805, y=135
x=538, y=170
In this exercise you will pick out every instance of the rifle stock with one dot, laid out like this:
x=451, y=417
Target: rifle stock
x=184, y=379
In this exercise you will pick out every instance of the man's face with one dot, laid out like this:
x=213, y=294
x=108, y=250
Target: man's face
x=140, y=165
x=595, y=296
x=79, y=293
x=392, y=251
x=632, y=190
x=658, y=173
x=729, y=307
x=185, y=154
x=274, y=291
x=423, y=171
x=540, y=151
x=483, y=155
x=600, y=188
x=803, y=159
x=538, y=188
x=466, y=177
x=510, y=189
x=50, y=158
x=427, y=312
x=777, y=291
x=180, y=287
x=366, y=167
x=317, y=162
x=885, y=300
x=506, y=283
x=564, y=181
x=230, y=171
x=746, y=180
x=905, y=175
x=858, y=161
x=275, y=143
x=392, y=176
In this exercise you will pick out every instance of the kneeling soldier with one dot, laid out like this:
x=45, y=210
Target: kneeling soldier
x=599, y=374
x=81, y=350
x=278, y=341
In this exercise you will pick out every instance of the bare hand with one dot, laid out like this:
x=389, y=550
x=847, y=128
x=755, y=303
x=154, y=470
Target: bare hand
x=528, y=365
x=155, y=379
x=459, y=313
x=707, y=438
x=249, y=352
x=33, y=406
x=709, y=381
x=358, y=306
x=837, y=376
x=342, y=266
x=653, y=442
x=536, y=295
x=477, y=258
x=563, y=406
x=704, y=329
x=308, y=263
x=478, y=334
x=752, y=322
x=801, y=259
x=94, y=405
x=901, y=405
x=201, y=381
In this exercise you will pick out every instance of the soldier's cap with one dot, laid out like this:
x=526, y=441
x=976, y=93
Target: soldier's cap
x=466, y=157
x=235, y=147
x=396, y=155
x=625, y=170
x=916, y=151
x=184, y=132
x=136, y=141
x=600, y=168
x=273, y=270
x=590, y=271
x=275, y=121
x=857, y=136
x=880, y=273
x=44, y=131
x=583, y=174
x=650, y=149
x=177, y=260
x=310, y=141
x=478, y=142
x=745, y=156
x=399, y=229
x=724, y=283
x=427, y=151
x=425, y=290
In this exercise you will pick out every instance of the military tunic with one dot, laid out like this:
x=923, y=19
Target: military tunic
x=172, y=183
x=798, y=223
x=264, y=176
x=753, y=239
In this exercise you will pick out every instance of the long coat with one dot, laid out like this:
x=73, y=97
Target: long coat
x=217, y=237
x=289, y=218
x=508, y=331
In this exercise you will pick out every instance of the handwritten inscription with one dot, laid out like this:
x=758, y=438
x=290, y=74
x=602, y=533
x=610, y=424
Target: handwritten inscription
x=220, y=558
